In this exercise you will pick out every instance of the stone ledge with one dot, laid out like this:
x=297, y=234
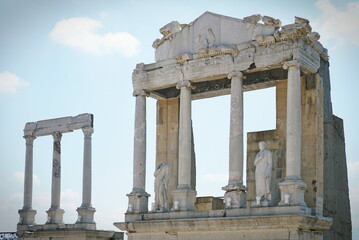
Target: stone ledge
x=295, y=221
x=71, y=234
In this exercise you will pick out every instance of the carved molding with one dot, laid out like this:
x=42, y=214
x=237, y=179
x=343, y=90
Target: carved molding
x=182, y=84
x=142, y=93
x=88, y=132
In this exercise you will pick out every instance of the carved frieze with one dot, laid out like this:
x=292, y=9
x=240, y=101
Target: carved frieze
x=216, y=51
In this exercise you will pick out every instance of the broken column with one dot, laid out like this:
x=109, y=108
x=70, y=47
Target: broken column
x=55, y=213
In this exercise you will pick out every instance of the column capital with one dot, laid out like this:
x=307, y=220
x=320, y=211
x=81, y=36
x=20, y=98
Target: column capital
x=292, y=63
x=57, y=136
x=236, y=74
x=29, y=139
x=140, y=93
x=88, y=131
x=181, y=84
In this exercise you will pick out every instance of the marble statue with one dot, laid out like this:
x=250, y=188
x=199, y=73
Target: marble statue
x=263, y=172
x=161, y=186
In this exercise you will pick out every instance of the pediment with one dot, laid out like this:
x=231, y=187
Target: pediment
x=208, y=31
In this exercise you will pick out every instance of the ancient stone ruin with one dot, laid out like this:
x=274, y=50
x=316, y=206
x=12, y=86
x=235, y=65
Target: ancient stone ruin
x=296, y=185
x=55, y=228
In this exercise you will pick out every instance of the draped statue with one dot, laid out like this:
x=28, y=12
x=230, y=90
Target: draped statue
x=161, y=186
x=263, y=173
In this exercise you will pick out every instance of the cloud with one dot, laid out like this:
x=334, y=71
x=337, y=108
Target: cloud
x=9, y=82
x=80, y=33
x=19, y=176
x=103, y=14
x=338, y=25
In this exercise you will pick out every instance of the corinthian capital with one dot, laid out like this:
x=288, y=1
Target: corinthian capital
x=236, y=74
x=183, y=84
x=29, y=139
x=140, y=93
x=57, y=136
x=87, y=132
x=293, y=63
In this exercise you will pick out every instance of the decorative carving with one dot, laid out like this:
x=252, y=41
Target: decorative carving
x=293, y=63
x=271, y=21
x=265, y=40
x=263, y=173
x=88, y=132
x=255, y=18
x=181, y=59
x=29, y=139
x=236, y=74
x=161, y=187
x=140, y=93
x=211, y=52
x=206, y=38
x=183, y=84
x=168, y=31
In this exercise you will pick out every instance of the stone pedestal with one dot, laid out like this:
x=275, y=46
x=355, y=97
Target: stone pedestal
x=27, y=217
x=186, y=199
x=294, y=189
x=138, y=202
x=86, y=215
x=55, y=216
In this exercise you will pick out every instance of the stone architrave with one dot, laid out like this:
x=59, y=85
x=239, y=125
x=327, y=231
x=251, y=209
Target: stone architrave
x=293, y=186
x=138, y=198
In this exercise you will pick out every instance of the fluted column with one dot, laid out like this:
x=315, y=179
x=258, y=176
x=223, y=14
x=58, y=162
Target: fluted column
x=27, y=214
x=184, y=194
x=86, y=211
x=235, y=189
x=138, y=198
x=293, y=185
x=55, y=213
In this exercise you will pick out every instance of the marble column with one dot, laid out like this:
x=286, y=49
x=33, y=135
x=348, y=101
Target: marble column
x=184, y=193
x=27, y=214
x=235, y=189
x=293, y=185
x=86, y=211
x=55, y=213
x=138, y=198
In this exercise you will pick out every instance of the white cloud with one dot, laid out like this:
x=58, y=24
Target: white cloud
x=80, y=33
x=338, y=25
x=9, y=82
x=19, y=176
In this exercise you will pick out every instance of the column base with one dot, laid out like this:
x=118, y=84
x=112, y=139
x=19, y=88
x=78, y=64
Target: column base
x=86, y=215
x=186, y=199
x=292, y=192
x=138, y=201
x=27, y=217
x=237, y=196
x=55, y=216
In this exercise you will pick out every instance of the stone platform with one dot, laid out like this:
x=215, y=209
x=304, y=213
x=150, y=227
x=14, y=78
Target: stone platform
x=287, y=222
x=66, y=231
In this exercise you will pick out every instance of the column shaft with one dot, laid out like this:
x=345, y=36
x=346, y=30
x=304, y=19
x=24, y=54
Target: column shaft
x=139, y=154
x=87, y=168
x=185, y=154
x=56, y=172
x=236, y=132
x=294, y=126
x=28, y=179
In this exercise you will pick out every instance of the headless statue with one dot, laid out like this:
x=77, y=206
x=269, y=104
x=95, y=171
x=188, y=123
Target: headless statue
x=161, y=186
x=263, y=173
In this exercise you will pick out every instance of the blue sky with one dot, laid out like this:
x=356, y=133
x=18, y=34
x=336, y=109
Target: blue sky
x=63, y=58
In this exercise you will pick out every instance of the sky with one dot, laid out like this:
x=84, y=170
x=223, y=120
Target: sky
x=64, y=58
